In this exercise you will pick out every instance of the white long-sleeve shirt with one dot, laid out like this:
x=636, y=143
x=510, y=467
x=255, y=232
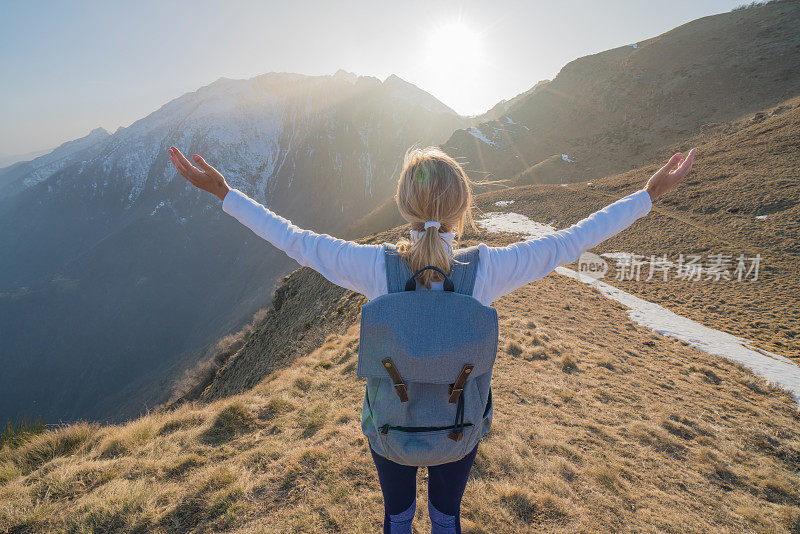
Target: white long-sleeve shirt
x=501, y=270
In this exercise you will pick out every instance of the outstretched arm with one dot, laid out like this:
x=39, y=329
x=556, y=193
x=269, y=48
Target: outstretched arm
x=504, y=269
x=351, y=265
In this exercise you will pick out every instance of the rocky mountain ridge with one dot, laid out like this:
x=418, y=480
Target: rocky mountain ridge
x=121, y=271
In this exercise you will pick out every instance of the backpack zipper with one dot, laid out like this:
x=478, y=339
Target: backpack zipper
x=385, y=428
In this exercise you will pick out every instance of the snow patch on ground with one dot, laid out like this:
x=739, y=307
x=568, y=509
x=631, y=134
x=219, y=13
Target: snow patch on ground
x=761, y=217
x=503, y=203
x=479, y=135
x=773, y=367
x=159, y=205
x=514, y=223
x=565, y=157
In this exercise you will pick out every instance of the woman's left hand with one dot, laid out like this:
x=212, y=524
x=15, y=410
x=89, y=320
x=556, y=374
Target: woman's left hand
x=208, y=179
x=670, y=174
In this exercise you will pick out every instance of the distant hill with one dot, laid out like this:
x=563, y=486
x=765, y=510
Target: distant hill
x=613, y=111
x=117, y=272
x=23, y=174
x=501, y=108
x=7, y=160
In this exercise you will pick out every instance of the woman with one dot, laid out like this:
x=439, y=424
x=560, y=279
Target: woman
x=434, y=195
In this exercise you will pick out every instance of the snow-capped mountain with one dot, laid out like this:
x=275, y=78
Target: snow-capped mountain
x=119, y=271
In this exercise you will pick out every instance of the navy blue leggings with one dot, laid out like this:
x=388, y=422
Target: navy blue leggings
x=446, y=485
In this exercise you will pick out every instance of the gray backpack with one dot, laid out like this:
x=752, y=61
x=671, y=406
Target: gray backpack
x=427, y=357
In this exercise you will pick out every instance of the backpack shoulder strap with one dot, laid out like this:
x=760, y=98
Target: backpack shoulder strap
x=397, y=271
x=462, y=274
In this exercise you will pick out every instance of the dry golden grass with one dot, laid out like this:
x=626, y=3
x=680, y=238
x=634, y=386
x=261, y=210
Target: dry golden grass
x=600, y=426
x=743, y=169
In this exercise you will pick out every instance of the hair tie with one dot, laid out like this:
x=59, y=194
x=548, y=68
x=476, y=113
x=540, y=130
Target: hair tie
x=428, y=224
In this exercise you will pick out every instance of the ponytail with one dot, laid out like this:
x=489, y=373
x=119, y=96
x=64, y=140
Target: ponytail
x=432, y=187
x=429, y=249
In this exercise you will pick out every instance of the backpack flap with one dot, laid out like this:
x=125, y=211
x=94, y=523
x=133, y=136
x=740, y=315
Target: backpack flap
x=429, y=336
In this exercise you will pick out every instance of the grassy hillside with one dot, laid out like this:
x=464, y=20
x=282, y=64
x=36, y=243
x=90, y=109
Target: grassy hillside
x=744, y=170
x=600, y=425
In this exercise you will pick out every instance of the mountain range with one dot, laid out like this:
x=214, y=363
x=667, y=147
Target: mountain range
x=121, y=276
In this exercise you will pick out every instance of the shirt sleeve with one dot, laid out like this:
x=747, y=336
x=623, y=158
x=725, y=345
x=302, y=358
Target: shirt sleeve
x=501, y=270
x=354, y=266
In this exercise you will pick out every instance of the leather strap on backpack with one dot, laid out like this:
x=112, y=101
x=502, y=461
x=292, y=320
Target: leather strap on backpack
x=399, y=385
x=458, y=427
x=457, y=396
x=457, y=388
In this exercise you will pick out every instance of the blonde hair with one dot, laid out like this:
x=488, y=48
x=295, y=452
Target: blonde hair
x=432, y=187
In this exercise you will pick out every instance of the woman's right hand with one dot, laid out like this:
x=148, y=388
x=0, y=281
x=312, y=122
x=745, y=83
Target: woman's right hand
x=209, y=179
x=670, y=174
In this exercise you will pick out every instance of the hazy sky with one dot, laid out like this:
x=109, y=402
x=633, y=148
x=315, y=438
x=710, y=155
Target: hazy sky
x=68, y=67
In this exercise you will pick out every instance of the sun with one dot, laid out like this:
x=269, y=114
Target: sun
x=455, y=44
x=453, y=62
